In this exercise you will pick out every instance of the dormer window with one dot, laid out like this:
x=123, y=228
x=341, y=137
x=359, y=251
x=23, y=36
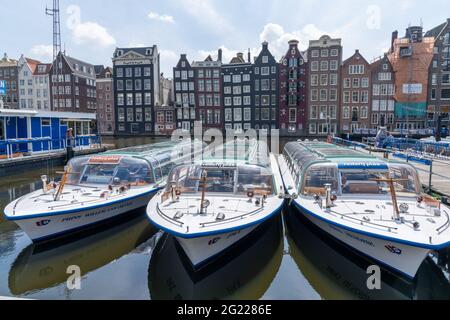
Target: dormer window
x=148, y=52
x=119, y=53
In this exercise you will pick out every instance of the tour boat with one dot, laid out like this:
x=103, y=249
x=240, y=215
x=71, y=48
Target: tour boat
x=211, y=205
x=42, y=266
x=337, y=272
x=373, y=205
x=94, y=189
x=242, y=274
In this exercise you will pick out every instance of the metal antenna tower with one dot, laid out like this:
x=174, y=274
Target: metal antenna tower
x=57, y=59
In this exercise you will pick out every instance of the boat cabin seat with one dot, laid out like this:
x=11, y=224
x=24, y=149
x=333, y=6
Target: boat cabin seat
x=314, y=190
x=367, y=187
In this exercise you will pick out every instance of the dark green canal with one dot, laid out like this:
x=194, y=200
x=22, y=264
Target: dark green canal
x=286, y=259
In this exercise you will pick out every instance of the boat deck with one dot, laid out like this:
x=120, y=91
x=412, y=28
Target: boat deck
x=376, y=216
x=224, y=212
x=72, y=199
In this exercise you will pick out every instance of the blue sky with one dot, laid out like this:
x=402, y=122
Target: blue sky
x=92, y=29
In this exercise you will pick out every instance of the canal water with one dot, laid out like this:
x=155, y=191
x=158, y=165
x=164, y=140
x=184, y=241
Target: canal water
x=287, y=258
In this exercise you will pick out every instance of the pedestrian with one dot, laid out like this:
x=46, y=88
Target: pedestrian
x=69, y=137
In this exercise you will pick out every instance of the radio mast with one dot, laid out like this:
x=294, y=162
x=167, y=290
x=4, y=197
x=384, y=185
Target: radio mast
x=57, y=58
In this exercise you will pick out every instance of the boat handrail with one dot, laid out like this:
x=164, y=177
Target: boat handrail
x=446, y=225
x=364, y=221
x=167, y=218
x=16, y=204
x=84, y=202
x=205, y=224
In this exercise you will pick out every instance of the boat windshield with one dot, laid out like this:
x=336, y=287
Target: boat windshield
x=221, y=179
x=361, y=180
x=317, y=176
x=105, y=170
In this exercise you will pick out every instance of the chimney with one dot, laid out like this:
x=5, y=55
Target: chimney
x=265, y=45
x=219, y=55
x=183, y=56
x=394, y=37
x=249, y=57
x=240, y=55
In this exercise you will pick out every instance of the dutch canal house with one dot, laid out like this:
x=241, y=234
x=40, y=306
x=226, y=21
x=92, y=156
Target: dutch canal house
x=208, y=89
x=184, y=89
x=383, y=94
x=439, y=77
x=9, y=74
x=324, y=60
x=355, y=105
x=136, y=88
x=293, y=91
x=165, y=112
x=238, y=79
x=105, y=100
x=411, y=57
x=266, y=93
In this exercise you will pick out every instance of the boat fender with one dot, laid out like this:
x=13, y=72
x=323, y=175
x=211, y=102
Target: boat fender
x=178, y=215
x=220, y=217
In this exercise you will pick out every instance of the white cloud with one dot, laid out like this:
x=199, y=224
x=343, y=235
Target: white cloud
x=207, y=15
x=92, y=33
x=136, y=44
x=43, y=52
x=87, y=32
x=278, y=38
x=169, y=59
x=163, y=18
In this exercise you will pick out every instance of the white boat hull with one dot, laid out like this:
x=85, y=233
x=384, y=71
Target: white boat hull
x=403, y=258
x=203, y=249
x=56, y=225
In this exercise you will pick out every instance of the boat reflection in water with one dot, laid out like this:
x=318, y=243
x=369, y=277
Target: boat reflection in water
x=40, y=267
x=337, y=272
x=243, y=272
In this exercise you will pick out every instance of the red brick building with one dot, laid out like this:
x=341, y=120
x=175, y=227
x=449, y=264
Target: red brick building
x=356, y=97
x=208, y=92
x=105, y=100
x=293, y=92
x=73, y=86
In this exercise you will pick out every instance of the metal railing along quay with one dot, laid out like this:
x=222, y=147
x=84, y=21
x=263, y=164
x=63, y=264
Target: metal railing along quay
x=23, y=147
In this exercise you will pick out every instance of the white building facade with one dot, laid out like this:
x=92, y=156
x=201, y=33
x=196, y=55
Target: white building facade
x=34, y=88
